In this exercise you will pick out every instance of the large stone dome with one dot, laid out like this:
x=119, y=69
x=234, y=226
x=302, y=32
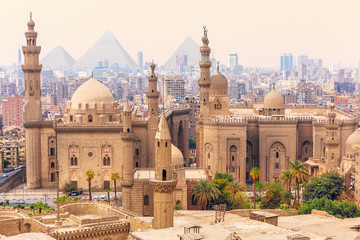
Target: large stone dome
x=92, y=92
x=176, y=156
x=219, y=84
x=273, y=100
x=353, y=139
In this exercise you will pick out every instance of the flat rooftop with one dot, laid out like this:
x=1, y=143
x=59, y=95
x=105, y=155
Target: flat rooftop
x=314, y=226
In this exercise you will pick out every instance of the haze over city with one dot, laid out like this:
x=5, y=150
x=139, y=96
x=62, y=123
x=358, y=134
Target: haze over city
x=258, y=31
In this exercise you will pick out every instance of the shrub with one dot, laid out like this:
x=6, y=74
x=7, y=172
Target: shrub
x=242, y=201
x=343, y=209
x=1, y=203
x=272, y=199
x=229, y=177
x=258, y=199
x=178, y=207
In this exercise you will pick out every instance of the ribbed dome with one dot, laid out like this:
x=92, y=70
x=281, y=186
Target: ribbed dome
x=352, y=140
x=176, y=156
x=219, y=84
x=273, y=100
x=91, y=92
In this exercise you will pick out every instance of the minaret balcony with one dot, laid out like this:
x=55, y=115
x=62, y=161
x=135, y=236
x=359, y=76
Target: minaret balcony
x=127, y=183
x=35, y=68
x=153, y=94
x=163, y=186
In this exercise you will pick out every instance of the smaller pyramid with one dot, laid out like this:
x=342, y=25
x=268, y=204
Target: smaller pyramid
x=189, y=48
x=58, y=58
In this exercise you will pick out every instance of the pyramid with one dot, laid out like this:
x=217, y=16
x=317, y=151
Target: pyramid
x=107, y=48
x=58, y=58
x=189, y=48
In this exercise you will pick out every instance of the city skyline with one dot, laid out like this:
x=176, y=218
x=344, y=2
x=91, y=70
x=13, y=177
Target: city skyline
x=259, y=35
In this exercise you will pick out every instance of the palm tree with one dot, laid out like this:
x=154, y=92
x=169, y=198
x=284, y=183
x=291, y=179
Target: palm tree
x=205, y=191
x=114, y=177
x=108, y=191
x=234, y=188
x=286, y=178
x=89, y=176
x=40, y=205
x=300, y=174
x=255, y=175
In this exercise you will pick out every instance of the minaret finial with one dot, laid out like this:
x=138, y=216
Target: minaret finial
x=92, y=74
x=273, y=85
x=30, y=15
x=205, y=30
x=218, y=66
x=152, y=66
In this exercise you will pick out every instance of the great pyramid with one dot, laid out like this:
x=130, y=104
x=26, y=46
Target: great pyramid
x=58, y=58
x=107, y=48
x=189, y=48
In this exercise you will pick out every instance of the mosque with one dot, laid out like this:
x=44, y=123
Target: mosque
x=148, y=153
x=267, y=136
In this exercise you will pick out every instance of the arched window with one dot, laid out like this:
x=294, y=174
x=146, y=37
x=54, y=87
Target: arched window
x=52, y=165
x=76, y=161
x=277, y=154
x=128, y=130
x=146, y=200
x=106, y=160
x=72, y=161
x=164, y=175
x=90, y=118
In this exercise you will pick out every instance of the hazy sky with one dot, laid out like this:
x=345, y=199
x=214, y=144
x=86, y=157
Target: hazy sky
x=258, y=30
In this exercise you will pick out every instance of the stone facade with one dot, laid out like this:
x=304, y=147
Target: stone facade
x=268, y=136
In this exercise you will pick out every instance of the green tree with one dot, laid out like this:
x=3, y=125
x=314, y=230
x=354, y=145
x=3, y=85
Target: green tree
x=192, y=143
x=286, y=178
x=205, y=191
x=234, y=188
x=300, y=175
x=89, y=176
x=272, y=199
x=330, y=185
x=40, y=205
x=229, y=177
x=223, y=198
x=68, y=188
x=114, y=177
x=255, y=175
x=108, y=193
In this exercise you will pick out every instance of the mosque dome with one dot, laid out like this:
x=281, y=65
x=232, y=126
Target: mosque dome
x=219, y=84
x=352, y=140
x=177, y=157
x=92, y=92
x=273, y=100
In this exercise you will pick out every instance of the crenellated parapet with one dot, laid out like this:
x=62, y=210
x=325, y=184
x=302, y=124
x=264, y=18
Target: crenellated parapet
x=93, y=232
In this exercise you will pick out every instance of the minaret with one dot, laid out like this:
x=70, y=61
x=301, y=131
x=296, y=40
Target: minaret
x=153, y=114
x=332, y=139
x=204, y=81
x=127, y=138
x=32, y=106
x=164, y=183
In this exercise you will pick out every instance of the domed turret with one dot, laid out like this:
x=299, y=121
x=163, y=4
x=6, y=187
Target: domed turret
x=219, y=84
x=177, y=158
x=352, y=140
x=93, y=94
x=273, y=100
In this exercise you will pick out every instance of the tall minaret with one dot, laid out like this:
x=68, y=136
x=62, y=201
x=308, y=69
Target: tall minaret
x=204, y=81
x=32, y=106
x=164, y=183
x=127, y=138
x=153, y=114
x=332, y=150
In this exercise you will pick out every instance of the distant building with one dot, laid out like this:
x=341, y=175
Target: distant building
x=334, y=67
x=233, y=60
x=173, y=86
x=140, y=61
x=286, y=62
x=12, y=110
